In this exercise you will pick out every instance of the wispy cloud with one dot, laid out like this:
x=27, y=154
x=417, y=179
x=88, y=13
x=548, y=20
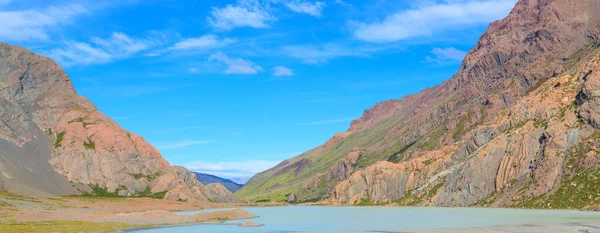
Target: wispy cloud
x=99, y=50
x=311, y=8
x=239, y=169
x=279, y=71
x=182, y=144
x=330, y=121
x=319, y=54
x=446, y=54
x=236, y=65
x=428, y=19
x=35, y=24
x=245, y=13
x=194, y=70
x=204, y=42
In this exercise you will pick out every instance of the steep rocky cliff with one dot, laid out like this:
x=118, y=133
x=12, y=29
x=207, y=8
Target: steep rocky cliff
x=508, y=129
x=55, y=142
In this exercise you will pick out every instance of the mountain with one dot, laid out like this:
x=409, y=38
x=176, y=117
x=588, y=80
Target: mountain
x=209, y=179
x=516, y=126
x=56, y=142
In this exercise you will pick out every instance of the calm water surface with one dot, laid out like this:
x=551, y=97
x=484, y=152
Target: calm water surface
x=345, y=219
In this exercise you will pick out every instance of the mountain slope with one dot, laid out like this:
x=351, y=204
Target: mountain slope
x=55, y=142
x=209, y=179
x=454, y=144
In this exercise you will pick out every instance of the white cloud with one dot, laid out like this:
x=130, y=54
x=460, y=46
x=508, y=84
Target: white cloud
x=182, y=144
x=236, y=65
x=203, y=42
x=430, y=18
x=99, y=50
x=34, y=24
x=446, y=54
x=330, y=121
x=315, y=55
x=282, y=71
x=229, y=170
x=194, y=70
x=313, y=9
x=343, y=3
x=245, y=13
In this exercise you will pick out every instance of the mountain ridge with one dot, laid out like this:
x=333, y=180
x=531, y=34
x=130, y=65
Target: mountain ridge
x=56, y=142
x=205, y=178
x=424, y=146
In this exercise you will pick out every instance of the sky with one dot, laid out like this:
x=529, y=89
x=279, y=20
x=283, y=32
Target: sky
x=233, y=87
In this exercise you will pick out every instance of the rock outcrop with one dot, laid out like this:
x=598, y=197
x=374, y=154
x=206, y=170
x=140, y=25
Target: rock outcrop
x=56, y=142
x=508, y=129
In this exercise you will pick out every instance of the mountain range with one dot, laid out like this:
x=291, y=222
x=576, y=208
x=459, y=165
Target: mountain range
x=516, y=126
x=209, y=179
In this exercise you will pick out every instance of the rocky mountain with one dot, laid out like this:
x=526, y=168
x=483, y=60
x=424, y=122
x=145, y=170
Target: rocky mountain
x=56, y=142
x=516, y=126
x=209, y=179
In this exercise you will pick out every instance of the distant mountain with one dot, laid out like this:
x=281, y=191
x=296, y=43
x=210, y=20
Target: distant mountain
x=209, y=179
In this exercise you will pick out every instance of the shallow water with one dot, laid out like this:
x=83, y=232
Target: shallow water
x=346, y=219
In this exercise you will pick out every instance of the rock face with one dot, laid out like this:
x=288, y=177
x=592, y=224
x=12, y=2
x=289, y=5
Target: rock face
x=517, y=121
x=55, y=142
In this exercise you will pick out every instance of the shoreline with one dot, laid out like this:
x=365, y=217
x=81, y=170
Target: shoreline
x=83, y=214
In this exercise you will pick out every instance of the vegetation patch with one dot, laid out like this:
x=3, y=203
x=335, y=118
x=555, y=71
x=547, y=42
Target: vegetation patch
x=149, y=177
x=5, y=204
x=15, y=197
x=62, y=226
x=160, y=195
x=414, y=198
x=59, y=139
x=489, y=199
x=536, y=85
x=579, y=187
x=82, y=121
x=89, y=144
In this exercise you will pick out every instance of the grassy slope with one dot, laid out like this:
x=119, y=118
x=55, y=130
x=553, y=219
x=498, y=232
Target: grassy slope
x=268, y=187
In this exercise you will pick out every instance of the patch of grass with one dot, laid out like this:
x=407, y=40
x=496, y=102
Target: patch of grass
x=15, y=197
x=5, y=204
x=489, y=199
x=460, y=129
x=59, y=139
x=98, y=191
x=428, y=162
x=431, y=140
x=563, y=110
x=536, y=85
x=413, y=198
x=61, y=226
x=160, y=195
x=149, y=178
x=580, y=185
x=90, y=144
x=82, y=121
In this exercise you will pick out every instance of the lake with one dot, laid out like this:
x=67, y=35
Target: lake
x=347, y=219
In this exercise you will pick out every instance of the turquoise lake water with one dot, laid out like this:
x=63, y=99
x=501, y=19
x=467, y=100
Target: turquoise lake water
x=347, y=219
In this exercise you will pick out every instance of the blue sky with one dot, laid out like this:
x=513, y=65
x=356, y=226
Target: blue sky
x=233, y=87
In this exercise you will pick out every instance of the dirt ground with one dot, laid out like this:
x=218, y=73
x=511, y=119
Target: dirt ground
x=86, y=214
